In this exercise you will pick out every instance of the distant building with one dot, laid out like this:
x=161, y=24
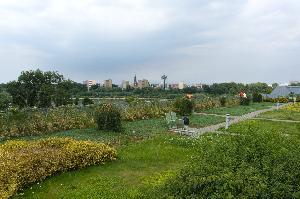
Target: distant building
x=181, y=85
x=107, y=83
x=173, y=86
x=199, y=86
x=89, y=83
x=125, y=85
x=155, y=85
x=284, y=91
x=143, y=83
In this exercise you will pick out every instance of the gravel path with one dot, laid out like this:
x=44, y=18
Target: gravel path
x=235, y=120
x=196, y=132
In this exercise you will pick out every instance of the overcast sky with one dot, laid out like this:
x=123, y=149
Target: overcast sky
x=189, y=40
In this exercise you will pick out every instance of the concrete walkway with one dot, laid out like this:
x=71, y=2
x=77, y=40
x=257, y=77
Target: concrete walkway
x=196, y=132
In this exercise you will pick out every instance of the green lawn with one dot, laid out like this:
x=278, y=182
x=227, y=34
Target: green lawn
x=137, y=169
x=282, y=114
x=198, y=121
x=147, y=156
x=249, y=126
x=239, y=110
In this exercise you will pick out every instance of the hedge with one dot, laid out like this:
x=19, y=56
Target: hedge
x=26, y=162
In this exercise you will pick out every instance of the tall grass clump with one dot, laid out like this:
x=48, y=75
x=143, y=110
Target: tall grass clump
x=183, y=106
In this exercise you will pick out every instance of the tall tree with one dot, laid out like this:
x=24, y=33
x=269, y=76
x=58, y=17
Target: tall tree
x=41, y=89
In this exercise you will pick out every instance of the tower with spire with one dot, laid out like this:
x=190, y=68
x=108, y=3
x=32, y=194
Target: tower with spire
x=135, y=83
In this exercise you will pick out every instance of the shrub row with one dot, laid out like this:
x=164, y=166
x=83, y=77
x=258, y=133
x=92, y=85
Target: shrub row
x=279, y=100
x=293, y=107
x=142, y=110
x=26, y=162
x=34, y=122
x=215, y=103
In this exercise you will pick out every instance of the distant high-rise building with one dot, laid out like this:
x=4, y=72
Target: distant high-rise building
x=89, y=83
x=181, y=85
x=143, y=83
x=107, y=83
x=125, y=85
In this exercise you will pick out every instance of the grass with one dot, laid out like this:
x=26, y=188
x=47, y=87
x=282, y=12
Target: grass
x=145, y=152
x=249, y=126
x=147, y=156
x=239, y=110
x=128, y=177
x=282, y=115
x=198, y=121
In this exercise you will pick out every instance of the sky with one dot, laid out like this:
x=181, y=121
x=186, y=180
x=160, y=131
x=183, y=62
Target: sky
x=195, y=41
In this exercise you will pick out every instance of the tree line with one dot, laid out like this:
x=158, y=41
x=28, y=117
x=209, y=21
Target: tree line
x=36, y=88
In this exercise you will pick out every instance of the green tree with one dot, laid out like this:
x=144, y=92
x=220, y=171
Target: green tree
x=41, y=89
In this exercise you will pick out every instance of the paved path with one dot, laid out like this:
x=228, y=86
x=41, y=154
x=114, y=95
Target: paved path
x=196, y=132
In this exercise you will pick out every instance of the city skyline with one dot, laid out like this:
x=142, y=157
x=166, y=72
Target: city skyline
x=193, y=41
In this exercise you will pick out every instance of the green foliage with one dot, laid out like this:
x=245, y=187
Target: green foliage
x=76, y=101
x=278, y=99
x=183, y=106
x=5, y=101
x=26, y=162
x=87, y=101
x=245, y=101
x=256, y=165
x=257, y=97
x=139, y=110
x=223, y=100
x=36, y=122
x=40, y=89
x=108, y=117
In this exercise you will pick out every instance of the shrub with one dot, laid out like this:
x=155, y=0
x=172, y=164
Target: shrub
x=183, y=106
x=245, y=101
x=223, y=101
x=255, y=165
x=282, y=100
x=142, y=110
x=108, y=117
x=5, y=101
x=206, y=104
x=26, y=162
x=87, y=101
x=36, y=122
x=257, y=97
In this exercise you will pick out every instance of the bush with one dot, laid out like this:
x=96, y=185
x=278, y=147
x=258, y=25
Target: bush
x=5, y=101
x=255, y=165
x=183, y=106
x=245, y=101
x=223, y=101
x=257, y=97
x=26, y=162
x=108, y=117
x=36, y=122
x=282, y=100
x=87, y=101
x=142, y=110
